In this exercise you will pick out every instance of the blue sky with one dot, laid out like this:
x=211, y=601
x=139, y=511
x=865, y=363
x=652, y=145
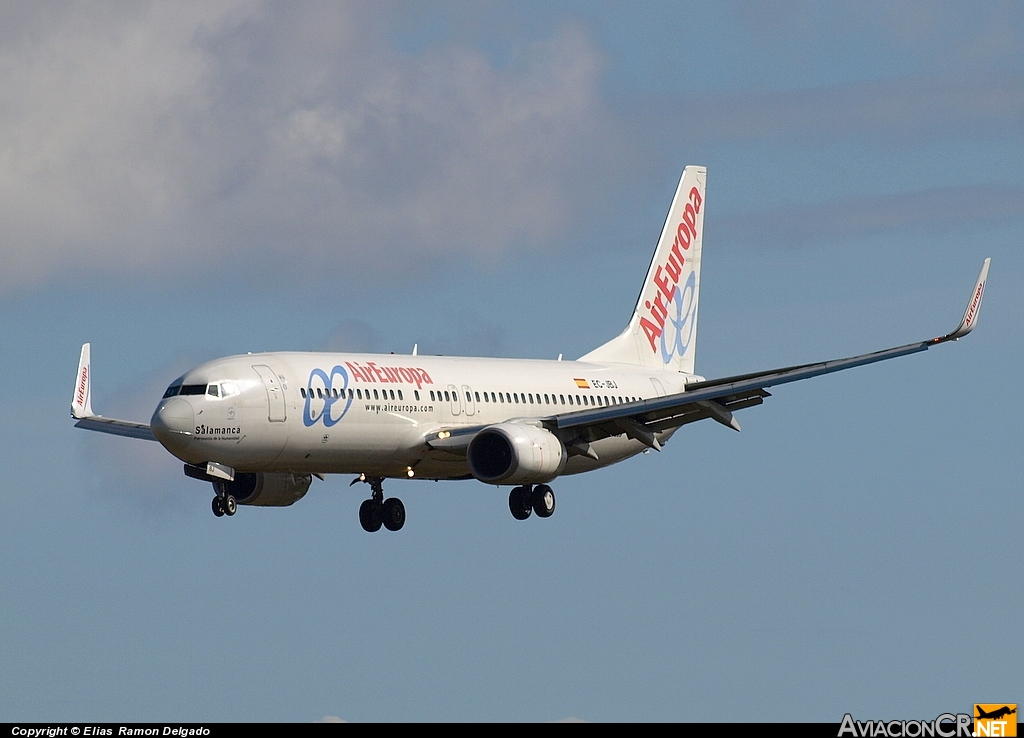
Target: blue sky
x=487, y=178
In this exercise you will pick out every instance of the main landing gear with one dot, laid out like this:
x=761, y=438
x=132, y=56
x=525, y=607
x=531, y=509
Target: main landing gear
x=526, y=499
x=224, y=503
x=377, y=511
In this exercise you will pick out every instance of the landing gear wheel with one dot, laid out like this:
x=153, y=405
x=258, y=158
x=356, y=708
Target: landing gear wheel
x=371, y=515
x=519, y=503
x=393, y=513
x=218, y=509
x=543, y=501
x=230, y=505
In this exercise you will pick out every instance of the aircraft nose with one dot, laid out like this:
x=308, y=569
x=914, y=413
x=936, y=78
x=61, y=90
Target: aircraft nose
x=173, y=423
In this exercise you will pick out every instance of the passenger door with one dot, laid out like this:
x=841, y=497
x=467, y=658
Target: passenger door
x=275, y=395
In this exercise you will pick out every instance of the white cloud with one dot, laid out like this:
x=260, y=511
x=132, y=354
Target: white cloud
x=139, y=139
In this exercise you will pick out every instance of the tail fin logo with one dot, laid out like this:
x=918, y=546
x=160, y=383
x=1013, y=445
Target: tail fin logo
x=666, y=277
x=683, y=322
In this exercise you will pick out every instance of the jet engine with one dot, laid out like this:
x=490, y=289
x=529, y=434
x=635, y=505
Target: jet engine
x=278, y=489
x=512, y=453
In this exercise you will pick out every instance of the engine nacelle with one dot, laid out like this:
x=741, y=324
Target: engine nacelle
x=511, y=453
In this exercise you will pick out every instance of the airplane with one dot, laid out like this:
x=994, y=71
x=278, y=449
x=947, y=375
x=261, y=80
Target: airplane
x=259, y=427
x=995, y=714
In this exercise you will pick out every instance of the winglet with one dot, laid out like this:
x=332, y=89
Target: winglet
x=973, y=308
x=81, y=401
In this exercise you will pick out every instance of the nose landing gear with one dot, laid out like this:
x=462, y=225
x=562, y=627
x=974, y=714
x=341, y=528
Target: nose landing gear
x=224, y=503
x=377, y=511
x=527, y=499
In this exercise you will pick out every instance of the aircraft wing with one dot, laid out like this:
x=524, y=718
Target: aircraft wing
x=715, y=398
x=117, y=427
x=81, y=407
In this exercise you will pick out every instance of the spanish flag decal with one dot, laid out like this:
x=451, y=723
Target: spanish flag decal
x=582, y=384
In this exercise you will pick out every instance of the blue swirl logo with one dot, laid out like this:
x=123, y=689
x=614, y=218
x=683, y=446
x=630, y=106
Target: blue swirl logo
x=683, y=321
x=329, y=409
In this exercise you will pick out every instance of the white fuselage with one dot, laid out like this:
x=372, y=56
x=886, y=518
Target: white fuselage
x=371, y=414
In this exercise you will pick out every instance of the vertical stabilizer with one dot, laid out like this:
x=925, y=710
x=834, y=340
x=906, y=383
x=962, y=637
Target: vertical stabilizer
x=662, y=333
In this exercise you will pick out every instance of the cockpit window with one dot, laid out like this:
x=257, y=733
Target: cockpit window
x=213, y=390
x=193, y=389
x=227, y=389
x=172, y=390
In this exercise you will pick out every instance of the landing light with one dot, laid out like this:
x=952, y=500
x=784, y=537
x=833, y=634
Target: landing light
x=444, y=434
x=410, y=472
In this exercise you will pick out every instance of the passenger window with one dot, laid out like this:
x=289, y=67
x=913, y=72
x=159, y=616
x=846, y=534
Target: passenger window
x=375, y=395
x=501, y=397
x=432, y=395
x=468, y=398
x=570, y=399
x=416, y=394
x=400, y=394
x=530, y=396
x=562, y=398
x=302, y=391
x=492, y=398
x=477, y=395
x=319, y=394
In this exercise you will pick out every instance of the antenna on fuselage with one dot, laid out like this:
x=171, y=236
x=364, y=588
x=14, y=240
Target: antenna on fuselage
x=415, y=349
